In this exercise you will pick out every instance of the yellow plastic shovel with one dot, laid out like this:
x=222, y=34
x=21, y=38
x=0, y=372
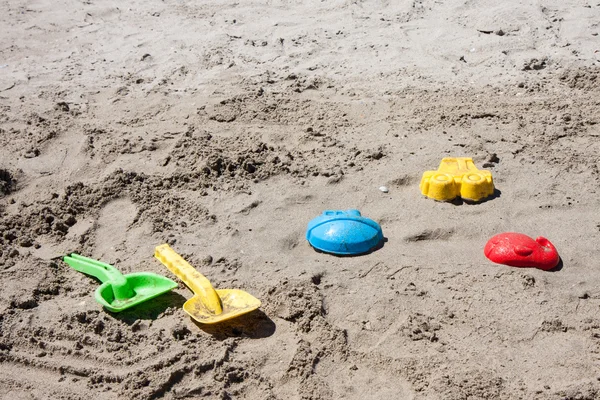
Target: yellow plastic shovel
x=208, y=305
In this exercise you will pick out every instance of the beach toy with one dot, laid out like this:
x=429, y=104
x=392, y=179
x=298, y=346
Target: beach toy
x=208, y=305
x=457, y=177
x=119, y=292
x=343, y=233
x=518, y=250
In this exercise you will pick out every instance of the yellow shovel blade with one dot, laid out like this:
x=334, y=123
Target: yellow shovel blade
x=235, y=303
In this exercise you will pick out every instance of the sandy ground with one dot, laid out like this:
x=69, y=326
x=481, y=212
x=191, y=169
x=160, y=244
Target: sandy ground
x=223, y=127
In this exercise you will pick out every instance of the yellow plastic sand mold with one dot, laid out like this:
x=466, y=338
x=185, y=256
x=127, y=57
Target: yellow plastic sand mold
x=457, y=177
x=207, y=306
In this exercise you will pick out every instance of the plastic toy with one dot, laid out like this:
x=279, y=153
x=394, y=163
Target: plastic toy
x=518, y=250
x=343, y=233
x=208, y=305
x=119, y=292
x=457, y=177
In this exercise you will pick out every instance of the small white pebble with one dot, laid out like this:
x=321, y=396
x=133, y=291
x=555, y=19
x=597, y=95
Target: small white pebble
x=384, y=189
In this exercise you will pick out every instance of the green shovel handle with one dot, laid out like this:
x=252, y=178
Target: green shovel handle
x=104, y=272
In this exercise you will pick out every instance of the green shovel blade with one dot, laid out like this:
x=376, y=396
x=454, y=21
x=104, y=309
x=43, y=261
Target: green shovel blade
x=119, y=292
x=145, y=285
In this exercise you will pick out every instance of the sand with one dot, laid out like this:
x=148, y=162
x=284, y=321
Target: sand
x=223, y=127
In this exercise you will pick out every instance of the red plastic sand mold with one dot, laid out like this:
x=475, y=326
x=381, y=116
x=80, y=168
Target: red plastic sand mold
x=518, y=250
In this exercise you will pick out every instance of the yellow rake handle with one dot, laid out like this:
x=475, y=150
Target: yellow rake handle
x=192, y=278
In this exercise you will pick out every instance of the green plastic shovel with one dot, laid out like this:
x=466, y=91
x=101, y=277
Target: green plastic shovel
x=119, y=292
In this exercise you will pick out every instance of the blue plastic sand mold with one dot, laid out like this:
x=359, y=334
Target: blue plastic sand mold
x=343, y=232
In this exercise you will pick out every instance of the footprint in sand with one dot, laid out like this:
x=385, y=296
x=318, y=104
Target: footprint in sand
x=431, y=234
x=112, y=226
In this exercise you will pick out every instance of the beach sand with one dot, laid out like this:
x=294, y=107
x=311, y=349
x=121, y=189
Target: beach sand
x=224, y=127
